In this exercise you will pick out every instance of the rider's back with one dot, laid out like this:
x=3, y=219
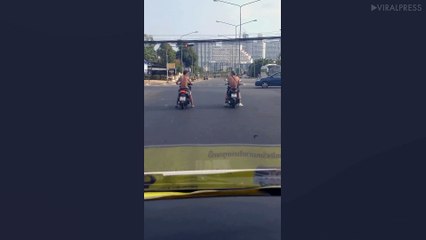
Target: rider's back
x=233, y=81
x=184, y=82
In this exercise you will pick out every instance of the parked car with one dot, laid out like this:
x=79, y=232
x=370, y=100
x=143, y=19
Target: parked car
x=273, y=80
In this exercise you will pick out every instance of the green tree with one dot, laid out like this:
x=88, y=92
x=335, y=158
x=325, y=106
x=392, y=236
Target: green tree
x=149, y=53
x=178, y=66
x=189, y=56
x=148, y=49
x=255, y=67
x=193, y=58
x=171, y=54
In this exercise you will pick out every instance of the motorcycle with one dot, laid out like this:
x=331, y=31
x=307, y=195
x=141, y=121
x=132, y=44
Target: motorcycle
x=232, y=99
x=183, y=98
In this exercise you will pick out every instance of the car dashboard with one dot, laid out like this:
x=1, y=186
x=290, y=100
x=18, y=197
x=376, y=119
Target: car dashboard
x=237, y=218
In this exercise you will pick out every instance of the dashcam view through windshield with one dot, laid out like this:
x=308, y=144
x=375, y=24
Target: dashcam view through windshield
x=212, y=99
x=212, y=90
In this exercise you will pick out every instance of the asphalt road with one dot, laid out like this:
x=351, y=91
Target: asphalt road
x=257, y=122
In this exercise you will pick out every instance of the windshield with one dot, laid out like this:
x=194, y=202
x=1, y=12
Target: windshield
x=202, y=132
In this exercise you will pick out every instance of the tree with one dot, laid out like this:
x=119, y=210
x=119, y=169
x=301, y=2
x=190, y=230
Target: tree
x=189, y=56
x=171, y=54
x=178, y=65
x=149, y=53
x=255, y=67
x=147, y=37
x=148, y=49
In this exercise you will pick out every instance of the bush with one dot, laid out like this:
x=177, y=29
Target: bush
x=158, y=77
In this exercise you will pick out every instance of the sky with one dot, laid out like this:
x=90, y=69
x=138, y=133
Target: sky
x=169, y=19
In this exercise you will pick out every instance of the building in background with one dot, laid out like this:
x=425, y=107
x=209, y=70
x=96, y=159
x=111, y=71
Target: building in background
x=269, y=49
x=272, y=49
x=221, y=56
x=204, y=53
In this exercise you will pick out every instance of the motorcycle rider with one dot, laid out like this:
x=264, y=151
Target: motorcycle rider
x=233, y=83
x=184, y=83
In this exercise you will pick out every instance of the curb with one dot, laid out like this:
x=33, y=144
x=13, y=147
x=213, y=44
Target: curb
x=157, y=83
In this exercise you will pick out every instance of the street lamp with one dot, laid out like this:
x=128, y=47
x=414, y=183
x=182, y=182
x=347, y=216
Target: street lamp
x=167, y=65
x=236, y=26
x=239, y=41
x=254, y=62
x=181, y=48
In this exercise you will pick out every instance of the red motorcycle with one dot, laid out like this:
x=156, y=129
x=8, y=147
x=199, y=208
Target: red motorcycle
x=184, y=98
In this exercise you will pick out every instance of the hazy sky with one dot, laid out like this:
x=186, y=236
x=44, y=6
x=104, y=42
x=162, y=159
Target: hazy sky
x=169, y=19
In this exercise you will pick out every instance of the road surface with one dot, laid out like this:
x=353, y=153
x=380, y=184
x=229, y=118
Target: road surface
x=257, y=122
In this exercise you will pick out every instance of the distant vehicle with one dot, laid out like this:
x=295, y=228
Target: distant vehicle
x=145, y=66
x=274, y=80
x=269, y=70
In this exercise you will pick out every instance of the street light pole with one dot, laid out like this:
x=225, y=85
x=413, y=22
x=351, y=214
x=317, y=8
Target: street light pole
x=167, y=65
x=181, y=48
x=192, y=65
x=239, y=48
x=239, y=40
x=236, y=26
x=254, y=62
x=233, y=63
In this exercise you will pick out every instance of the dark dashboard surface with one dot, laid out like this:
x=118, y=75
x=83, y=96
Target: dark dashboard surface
x=222, y=218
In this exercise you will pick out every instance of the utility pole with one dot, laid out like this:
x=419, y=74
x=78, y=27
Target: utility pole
x=236, y=26
x=167, y=64
x=239, y=40
x=181, y=49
